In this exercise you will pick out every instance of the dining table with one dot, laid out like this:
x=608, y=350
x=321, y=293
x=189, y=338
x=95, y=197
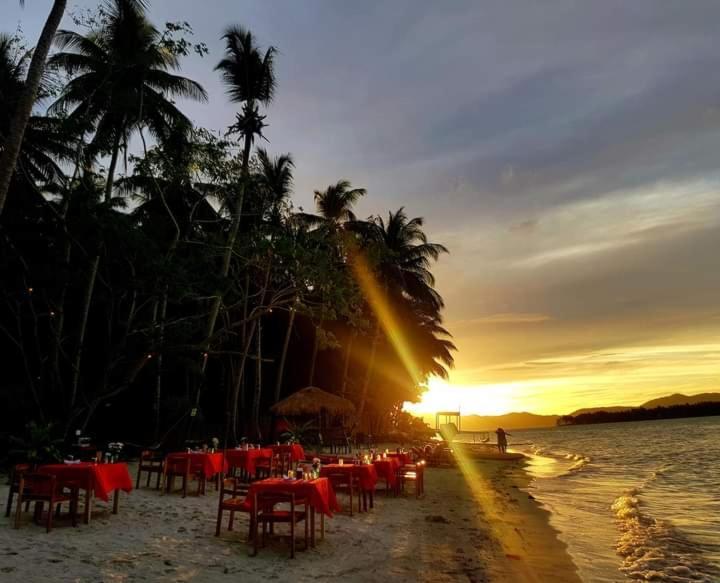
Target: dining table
x=387, y=468
x=209, y=464
x=367, y=478
x=295, y=450
x=247, y=459
x=97, y=479
x=319, y=493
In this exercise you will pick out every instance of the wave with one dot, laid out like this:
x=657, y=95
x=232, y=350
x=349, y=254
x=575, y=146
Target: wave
x=654, y=550
x=577, y=461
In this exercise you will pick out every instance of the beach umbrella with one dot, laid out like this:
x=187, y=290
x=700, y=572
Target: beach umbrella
x=312, y=401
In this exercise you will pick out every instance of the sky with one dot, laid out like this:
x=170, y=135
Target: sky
x=566, y=152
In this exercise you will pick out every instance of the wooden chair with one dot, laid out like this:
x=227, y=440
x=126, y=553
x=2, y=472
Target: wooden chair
x=237, y=490
x=42, y=488
x=265, y=513
x=263, y=467
x=151, y=462
x=177, y=468
x=348, y=483
x=17, y=472
x=281, y=464
x=414, y=473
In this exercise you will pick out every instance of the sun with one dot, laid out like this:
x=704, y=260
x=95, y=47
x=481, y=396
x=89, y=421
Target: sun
x=440, y=395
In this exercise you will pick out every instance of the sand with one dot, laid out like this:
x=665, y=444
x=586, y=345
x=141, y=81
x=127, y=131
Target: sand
x=479, y=527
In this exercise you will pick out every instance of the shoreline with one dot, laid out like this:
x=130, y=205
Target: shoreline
x=485, y=529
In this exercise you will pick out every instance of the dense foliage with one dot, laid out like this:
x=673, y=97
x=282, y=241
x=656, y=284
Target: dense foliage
x=642, y=414
x=184, y=296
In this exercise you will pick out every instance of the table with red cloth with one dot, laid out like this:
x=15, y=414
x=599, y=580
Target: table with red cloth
x=403, y=458
x=319, y=493
x=386, y=469
x=366, y=475
x=99, y=480
x=246, y=459
x=295, y=450
x=208, y=464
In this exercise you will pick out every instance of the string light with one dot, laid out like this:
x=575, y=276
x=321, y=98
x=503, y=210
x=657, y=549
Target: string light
x=30, y=290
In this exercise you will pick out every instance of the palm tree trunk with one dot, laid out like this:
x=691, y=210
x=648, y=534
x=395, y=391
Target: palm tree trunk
x=313, y=360
x=283, y=356
x=83, y=327
x=346, y=366
x=369, y=372
x=13, y=143
x=159, y=369
x=258, y=383
x=111, y=168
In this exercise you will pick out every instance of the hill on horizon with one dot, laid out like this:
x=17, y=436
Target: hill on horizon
x=525, y=420
x=668, y=401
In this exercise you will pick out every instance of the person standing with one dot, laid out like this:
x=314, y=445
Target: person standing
x=501, y=439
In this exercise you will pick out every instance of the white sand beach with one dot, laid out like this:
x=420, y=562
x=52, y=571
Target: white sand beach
x=493, y=532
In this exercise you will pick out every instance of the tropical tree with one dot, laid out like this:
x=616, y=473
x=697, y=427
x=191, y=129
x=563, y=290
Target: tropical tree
x=44, y=143
x=403, y=259
x=25, y=101
x=249, y=75
x=121, y=82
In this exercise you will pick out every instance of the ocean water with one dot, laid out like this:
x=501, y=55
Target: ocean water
x=632, y=501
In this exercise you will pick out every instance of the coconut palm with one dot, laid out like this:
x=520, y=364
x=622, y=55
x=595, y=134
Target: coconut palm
x=334, y=207
x=121, y=82
x=403, y=272
x=23, y=107
x=44, y=143
x=249, y=75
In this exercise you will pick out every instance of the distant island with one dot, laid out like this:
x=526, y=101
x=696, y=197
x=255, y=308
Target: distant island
x=669, y=407
x=704, y=409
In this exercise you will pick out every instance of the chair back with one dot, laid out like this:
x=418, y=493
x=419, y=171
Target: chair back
x=17, y=472
x=177, y=465
x=37, y=485
x=281, y=464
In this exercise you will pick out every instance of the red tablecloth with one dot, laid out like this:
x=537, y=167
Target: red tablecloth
x=386, y=469
x=403, y=458
x=320, y=492
x=208, y=463
x=247, y=459
x=366, y=473
x=295, y=450
x=102, y=478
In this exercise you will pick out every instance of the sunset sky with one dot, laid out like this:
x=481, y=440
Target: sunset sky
x=567, y=153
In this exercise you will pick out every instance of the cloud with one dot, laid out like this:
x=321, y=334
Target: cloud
x=509, y=318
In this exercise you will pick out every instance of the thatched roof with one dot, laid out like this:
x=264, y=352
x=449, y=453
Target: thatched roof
x=310, y=401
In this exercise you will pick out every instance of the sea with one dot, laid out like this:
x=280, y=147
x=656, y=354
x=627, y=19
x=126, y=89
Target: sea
x=632, y=501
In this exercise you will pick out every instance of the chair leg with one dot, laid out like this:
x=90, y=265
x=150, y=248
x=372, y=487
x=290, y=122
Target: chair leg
x=157, y=485
x=137, y=482
x=18, y=510
x=232, y=520
x=306, y=527
x=219, y=521
x=9, y=501
x=292, y=537
x=48, y=528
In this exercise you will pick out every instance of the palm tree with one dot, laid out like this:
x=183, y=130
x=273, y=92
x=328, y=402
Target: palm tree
x=334, y=211
x=403, y=271
x=23, y=108
x=44, y=142
x=249, y=75
x=334, y=207
x=121, y=82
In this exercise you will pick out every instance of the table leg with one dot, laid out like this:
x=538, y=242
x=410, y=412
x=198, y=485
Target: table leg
x=116, y=501
x=312, y=527
x=88, y=506
x=322, y=526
